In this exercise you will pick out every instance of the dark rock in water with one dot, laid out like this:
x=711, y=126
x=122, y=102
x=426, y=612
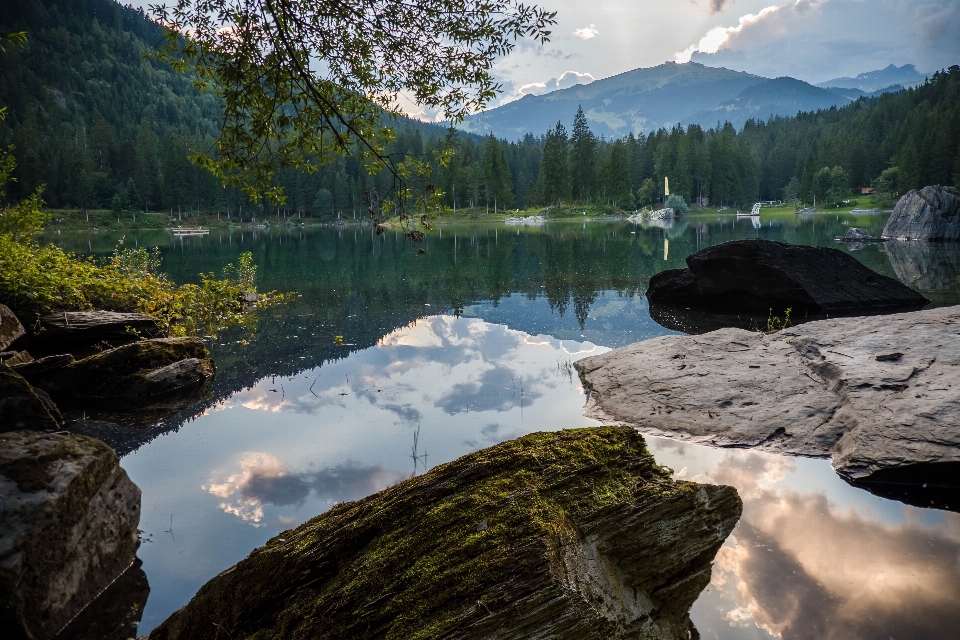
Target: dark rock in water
x=929, y=485
x=68, y=528
x=83, y=333
x=21, y=407
x=144, y=368
x=878, y=395
x=10, y=327
x=932, y=213
x=116, y=613
x=761, y=276
x=855, y=234
x=586, y=537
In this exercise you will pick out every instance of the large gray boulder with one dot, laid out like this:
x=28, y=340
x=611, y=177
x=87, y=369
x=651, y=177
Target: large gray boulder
x=761, y=275
x=10, y=327
x=932, y=213
x=570, y=535
x=879, y=395
x=68, y=528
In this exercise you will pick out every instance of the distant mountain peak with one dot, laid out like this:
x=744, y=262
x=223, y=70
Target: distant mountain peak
x=869, y=81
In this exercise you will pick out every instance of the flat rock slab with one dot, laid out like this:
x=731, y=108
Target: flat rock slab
x=932, y=213
x=84, y=332
x=879, y=395
x=68, y=528
x=10, y=327
x=570, y=535
x=763, y=275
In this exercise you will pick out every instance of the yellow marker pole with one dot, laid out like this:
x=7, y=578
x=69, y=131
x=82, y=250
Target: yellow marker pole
x=666, y=186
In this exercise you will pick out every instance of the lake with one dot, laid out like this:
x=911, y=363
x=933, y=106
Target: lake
x=391, y=362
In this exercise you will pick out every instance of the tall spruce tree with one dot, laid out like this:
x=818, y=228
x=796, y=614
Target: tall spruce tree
x=554, y=181
x=583, y=158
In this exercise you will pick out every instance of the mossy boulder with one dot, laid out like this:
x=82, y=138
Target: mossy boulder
x=21, y=407
x=574, y=534
x=68, y=528
x=143, y=368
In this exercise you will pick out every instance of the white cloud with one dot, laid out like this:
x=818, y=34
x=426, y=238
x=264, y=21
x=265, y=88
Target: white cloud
x=720, y=37
x=573, y=78
x=566, y=80
x=586, y=33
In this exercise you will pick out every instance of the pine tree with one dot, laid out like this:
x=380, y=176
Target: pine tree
x=554, y=181
x=583, y=152
x=616, y=175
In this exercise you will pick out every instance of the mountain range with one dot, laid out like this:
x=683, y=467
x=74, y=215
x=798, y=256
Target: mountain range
x=644, y=100
x=906, y=76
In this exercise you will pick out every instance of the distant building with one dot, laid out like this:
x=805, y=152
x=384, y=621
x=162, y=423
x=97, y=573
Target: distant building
x=865, y=191
x=702, y=201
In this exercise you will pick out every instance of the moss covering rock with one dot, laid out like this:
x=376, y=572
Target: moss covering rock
x=573, y=534
x=68, y=528
x=144, y=368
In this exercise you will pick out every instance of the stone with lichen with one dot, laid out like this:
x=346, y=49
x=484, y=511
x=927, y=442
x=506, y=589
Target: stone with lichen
x=573, y=534
x=68, y=528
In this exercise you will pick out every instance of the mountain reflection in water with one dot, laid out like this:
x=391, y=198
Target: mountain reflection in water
x=469, y=345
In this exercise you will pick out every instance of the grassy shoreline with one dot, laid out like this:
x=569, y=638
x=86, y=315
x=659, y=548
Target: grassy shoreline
x=106, y=220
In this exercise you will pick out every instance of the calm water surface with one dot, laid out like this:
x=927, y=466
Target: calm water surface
x=471, y=344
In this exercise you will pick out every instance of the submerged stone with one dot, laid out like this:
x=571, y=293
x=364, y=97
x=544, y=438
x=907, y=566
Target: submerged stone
x=574, y=534
x=877, y=394
x=68, y=528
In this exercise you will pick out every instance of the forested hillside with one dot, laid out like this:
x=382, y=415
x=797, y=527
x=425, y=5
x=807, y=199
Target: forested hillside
x=103, y=126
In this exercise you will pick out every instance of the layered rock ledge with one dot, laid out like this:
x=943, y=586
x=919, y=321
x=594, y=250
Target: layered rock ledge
x=68, y=528
x=575, y=534
x=879, y=395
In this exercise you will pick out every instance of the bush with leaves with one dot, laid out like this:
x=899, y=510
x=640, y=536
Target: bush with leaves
x=37, y=279
x=676, y=202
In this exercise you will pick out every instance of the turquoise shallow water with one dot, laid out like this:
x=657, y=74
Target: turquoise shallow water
x=471, y=344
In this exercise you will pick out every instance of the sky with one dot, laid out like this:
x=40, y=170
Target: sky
x=812, y=40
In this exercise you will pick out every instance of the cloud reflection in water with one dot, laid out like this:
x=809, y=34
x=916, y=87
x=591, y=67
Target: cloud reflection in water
x=800, y=567
x=264, y=480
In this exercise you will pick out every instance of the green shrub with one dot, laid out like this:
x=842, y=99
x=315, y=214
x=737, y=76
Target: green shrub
x=37, y=279
x=676, y=202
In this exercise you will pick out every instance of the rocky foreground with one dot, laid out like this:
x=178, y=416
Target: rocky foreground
x=880, y=395
x=68, y=528
x=576, y=534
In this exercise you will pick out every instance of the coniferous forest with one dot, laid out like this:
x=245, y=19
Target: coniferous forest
x=104, y=126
